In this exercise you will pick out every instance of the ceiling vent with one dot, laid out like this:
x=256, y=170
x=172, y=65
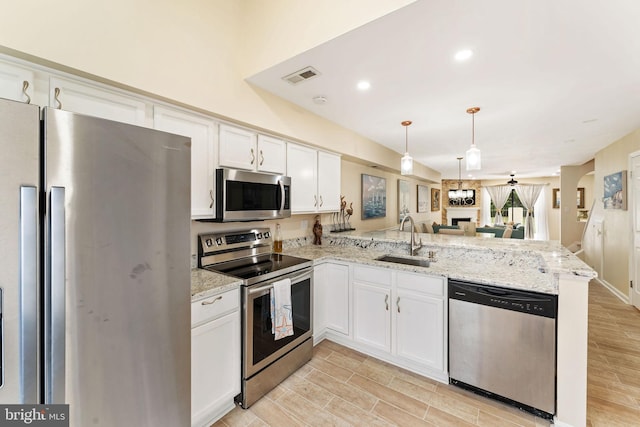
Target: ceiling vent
x=301, y=75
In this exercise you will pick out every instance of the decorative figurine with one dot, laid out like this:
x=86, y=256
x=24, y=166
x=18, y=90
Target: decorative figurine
x=317, y=231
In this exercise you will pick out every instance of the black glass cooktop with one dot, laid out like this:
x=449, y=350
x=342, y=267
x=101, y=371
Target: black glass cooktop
x=261, y=267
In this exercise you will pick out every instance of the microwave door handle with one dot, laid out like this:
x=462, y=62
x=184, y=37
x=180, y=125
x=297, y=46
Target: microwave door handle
x=281, y=195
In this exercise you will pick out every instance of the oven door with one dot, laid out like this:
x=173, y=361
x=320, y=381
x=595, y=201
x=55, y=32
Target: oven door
x=259, y=347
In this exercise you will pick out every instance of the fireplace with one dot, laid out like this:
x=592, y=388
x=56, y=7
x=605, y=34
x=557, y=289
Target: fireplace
x=455, y=221
x=462, y=214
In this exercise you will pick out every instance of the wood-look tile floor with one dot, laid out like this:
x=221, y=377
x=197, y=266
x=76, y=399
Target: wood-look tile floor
x=341, y=387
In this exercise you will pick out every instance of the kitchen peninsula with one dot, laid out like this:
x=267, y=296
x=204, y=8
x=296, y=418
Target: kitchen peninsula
x=344, y=265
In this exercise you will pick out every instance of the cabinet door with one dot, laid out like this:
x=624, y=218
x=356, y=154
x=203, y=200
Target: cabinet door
x=96, y=101
x=372, y=316
x=12, y=81
x=420, y=328
x=237, y=148
x=215, y=368
x=328, y=182
x=319, y=299
x=336, y=296
x=302, y=167
x=202, y=133
x=272, y=155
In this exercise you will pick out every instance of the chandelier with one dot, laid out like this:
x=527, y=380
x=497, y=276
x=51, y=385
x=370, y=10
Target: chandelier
x=461, y=197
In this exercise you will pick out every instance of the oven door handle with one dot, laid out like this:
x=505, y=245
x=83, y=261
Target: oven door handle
x=294, y=280
x=282, y=194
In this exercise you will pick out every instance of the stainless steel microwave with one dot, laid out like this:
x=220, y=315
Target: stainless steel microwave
x=249, y=196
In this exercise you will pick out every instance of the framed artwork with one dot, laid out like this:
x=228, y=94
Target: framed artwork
x=579, y=198
x=374, y=197
x=423, y=198
x=615, y=191
x=403, y=198
x=555, y=204
x=435, y=199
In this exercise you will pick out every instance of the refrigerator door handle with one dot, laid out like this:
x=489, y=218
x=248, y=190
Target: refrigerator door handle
x=55, y=299
x=28, y=321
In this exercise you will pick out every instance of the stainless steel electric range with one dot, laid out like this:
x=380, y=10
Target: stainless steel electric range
x=247, y=255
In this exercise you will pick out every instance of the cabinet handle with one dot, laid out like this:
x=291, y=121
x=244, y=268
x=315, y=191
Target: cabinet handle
x=211, y=195
x=398, y=304
x=25, y=86
x=261, y=158
x=253, y=156
x=56, y=96
x=321, y=202
x=212, y=301
x=315, y=201
x=386, y=302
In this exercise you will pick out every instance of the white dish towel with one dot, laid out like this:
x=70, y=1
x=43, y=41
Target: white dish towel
x=281, y=313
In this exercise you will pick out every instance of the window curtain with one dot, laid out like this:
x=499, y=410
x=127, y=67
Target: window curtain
x=528, y=194
x=485, y=212
x=541, y=219
x=499, y=195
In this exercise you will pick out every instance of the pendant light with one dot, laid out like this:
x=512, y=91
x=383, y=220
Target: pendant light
x=406, y=163
x=473, y=153
x=461, y=197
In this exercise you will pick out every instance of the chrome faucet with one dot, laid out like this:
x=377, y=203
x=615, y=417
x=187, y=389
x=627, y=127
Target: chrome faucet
x=414, y=246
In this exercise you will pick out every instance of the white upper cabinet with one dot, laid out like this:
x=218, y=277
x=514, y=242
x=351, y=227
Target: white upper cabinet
x=243, y=149
x=302, y=167
x=328, y=182
x=16, y=83
x=237, y=148
x=96, y=101
x=202, y=132
x=272, y=155
x=315, y=179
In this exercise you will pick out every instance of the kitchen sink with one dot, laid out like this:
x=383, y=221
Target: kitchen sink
x=405, y=261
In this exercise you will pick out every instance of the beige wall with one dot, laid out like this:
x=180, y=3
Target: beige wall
x=191, y=52
x=617, y=244
x=570, y=228
x=553, y=215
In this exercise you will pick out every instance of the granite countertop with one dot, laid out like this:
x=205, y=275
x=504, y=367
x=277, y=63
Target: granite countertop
x=514, y=263
x=205, y=284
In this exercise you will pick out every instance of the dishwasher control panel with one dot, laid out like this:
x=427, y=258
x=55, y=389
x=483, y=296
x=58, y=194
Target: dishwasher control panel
x=534, y=303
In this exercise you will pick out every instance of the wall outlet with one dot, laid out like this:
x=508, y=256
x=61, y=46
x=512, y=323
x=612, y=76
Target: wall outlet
x=304, y=224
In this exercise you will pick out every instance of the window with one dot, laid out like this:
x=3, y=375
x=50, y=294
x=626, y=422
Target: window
x=506, y=212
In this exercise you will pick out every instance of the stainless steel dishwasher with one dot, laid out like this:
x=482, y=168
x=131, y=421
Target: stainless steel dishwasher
x=502, y=344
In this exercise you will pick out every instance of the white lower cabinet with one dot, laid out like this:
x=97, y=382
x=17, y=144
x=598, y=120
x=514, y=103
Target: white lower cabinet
x=398, y=316
x=331, y=299
x=215, y=357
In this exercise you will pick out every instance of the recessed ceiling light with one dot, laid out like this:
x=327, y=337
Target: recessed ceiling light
x=364, y=85
x=463, y=55
x=589, y=121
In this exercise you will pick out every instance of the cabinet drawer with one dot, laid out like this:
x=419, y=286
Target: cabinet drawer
x=381, y=276
x=421, y=283
x=208, y=309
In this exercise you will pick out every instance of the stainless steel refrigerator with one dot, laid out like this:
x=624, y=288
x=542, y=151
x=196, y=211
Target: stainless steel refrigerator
x=94, y=267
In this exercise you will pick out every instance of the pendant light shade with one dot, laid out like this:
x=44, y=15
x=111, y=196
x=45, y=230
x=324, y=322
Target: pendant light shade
x=406, y=163
x=473, y=153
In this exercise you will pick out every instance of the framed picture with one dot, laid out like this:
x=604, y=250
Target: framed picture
x=435, y=199
x=615, y=191
x=580, y=198
x=403, y=198
x=423, y=198
x=555, y=204
x=374, y=197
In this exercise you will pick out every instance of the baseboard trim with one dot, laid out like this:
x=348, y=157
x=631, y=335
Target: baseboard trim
x=624, y=298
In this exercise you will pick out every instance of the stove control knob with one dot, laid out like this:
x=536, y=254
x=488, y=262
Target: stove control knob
x=267, y=234
x=219, y=241
x=259, y=236
x=208, y=242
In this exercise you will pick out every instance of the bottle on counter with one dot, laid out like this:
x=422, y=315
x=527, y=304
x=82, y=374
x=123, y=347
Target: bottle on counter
x=277, y=240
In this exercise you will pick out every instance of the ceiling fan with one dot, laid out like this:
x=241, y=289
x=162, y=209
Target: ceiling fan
x=512, y=181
